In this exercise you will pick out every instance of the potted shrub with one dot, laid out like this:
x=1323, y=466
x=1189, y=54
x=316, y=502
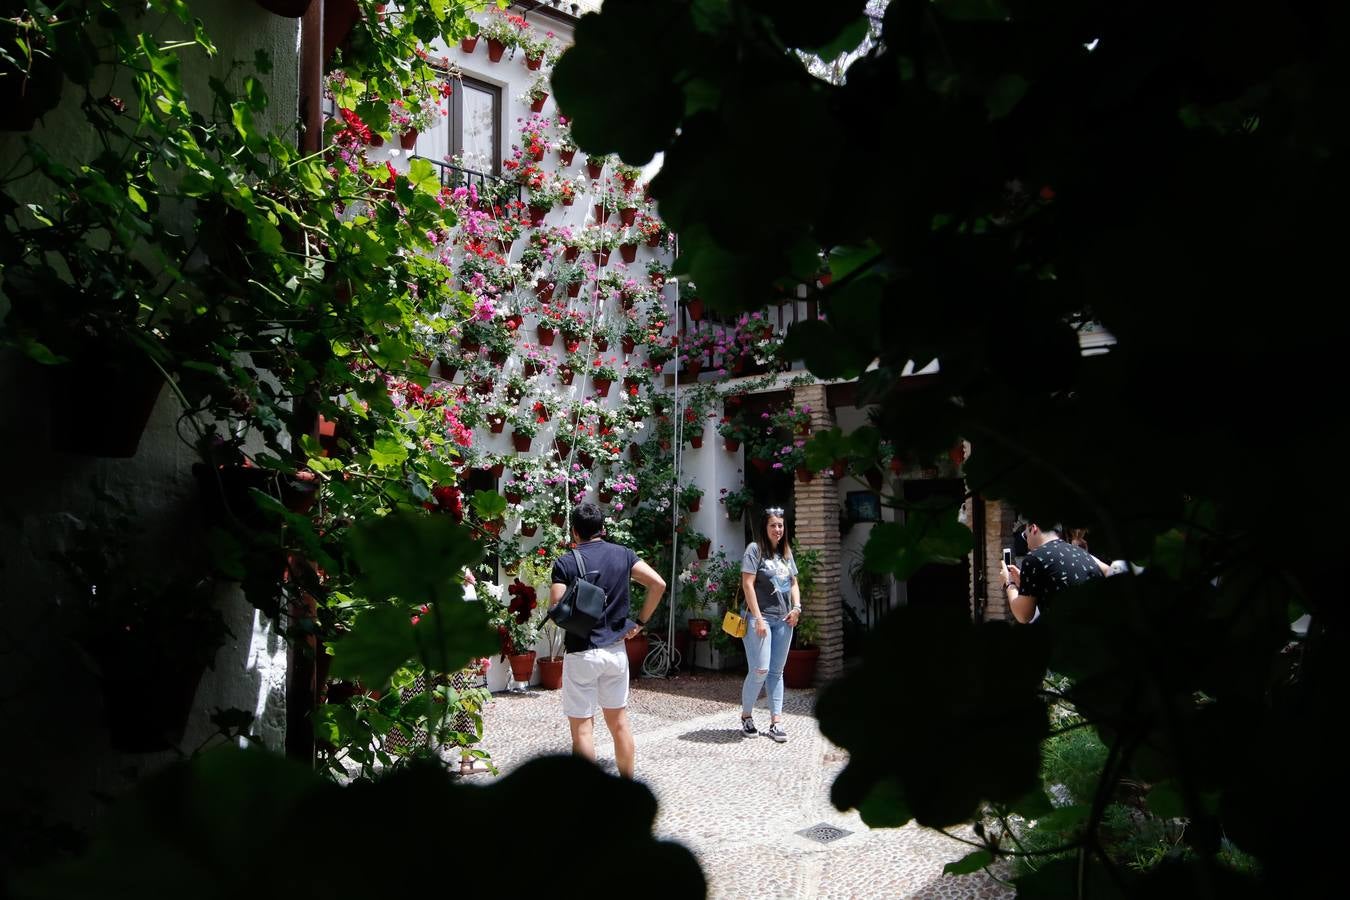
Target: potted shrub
x=735, y=502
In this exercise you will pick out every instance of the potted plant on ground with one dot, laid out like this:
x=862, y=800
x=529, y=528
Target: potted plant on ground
x=799, y=671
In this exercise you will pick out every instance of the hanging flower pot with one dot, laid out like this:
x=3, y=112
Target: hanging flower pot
x=492, y=526
x=537, y=214
x=584, y=459
x=514, y=321
x=571, y=343
x=513, y=495
x=484, y=386
x=601, y=257
x=496, y=424
x=558, y=519
x=498, y=357
x=760, y=464
x=599, y=213
x=635, y=452
x=571, y=253
x=535, y=152
x=522, y=665
x=568, y=199
x=695, y=441
x=534, y=62
x=546, y=335
x=550, y=672
x=470, y=344
x=804, y=475
x=731, y=445
x=628, y=215
x=703, y=548
x=408, y=139
x=654, y=240
x=565, y=157
x=538, y=104
x=522, y=444
x=376, y=139
x=896, y=466
x=543, y=289
x=839, y=469
x=602, y=386
x=338, y=18
x=497, y=470
x=594, y=170
x=695, y=308
x=628, y=344
x=528, y=529
x=873, y=479
x=505, y=244
x=565, y=375
x=531, y=368
x=467, y=44
x=628, y=252
x=495, y=50
x=574, y=289
x=693, y=369
x=697, y=501
x=601, y=343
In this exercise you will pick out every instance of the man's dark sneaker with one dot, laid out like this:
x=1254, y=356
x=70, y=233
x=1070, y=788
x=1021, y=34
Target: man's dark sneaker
x=748, y=727
x=777, y=733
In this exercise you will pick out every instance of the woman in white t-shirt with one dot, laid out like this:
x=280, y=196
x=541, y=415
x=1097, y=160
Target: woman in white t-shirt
x=774, y=601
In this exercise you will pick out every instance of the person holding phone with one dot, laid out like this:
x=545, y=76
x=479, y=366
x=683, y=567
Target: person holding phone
x=1050, y=566
x=769, y=578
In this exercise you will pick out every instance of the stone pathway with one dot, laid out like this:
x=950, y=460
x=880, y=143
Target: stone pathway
x=737, y=802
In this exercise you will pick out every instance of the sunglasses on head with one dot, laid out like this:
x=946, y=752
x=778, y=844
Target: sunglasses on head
x=773, y=511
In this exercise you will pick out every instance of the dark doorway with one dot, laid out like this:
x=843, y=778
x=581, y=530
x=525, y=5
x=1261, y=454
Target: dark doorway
x=938, y=585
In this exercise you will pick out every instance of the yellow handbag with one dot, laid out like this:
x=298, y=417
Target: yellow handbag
x=733, y=623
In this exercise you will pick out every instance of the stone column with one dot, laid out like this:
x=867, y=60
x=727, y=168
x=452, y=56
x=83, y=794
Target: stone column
x=817, y=526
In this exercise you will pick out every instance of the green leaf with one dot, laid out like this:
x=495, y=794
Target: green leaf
x=927, y=536
x=423, y=176
x=411, y=555
x=136, y=198
x=971, y=862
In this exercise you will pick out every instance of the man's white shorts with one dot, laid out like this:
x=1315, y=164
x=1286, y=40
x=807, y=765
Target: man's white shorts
x=595, y=678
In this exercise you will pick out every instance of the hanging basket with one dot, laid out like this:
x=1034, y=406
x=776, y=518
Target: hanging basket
x=537, y=214
x=628, y=216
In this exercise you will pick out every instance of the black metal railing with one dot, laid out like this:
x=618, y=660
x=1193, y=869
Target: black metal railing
x=487, y=184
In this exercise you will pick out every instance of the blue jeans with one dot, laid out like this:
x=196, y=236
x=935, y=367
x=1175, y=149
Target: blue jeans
x=765, y=657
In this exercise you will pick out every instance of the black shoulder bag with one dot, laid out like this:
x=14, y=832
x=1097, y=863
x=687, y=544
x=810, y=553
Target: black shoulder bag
x=581, y=606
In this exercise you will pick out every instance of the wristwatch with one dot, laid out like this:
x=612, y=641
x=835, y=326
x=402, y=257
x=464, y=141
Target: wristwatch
x=641, y=624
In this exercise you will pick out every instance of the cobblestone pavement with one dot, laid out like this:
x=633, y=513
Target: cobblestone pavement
x=737, y=802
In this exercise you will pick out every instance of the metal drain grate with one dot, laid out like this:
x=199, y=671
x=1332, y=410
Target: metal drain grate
x=823, y=833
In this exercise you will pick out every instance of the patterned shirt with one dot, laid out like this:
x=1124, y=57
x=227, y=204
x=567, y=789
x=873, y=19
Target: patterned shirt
x=1053, y=567
x=773, y=581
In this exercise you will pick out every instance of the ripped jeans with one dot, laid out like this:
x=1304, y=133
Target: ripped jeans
x=764, y=656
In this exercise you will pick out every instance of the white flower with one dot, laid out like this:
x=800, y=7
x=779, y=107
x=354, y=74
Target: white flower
x=493, y=590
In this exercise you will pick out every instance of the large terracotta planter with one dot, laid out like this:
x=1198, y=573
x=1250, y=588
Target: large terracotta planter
x=800, y=669
x=637, y=652
x=550, y=672
x=522, y=665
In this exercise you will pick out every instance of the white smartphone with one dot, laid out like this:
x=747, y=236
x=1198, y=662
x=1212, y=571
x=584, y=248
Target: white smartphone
x=1007, y=556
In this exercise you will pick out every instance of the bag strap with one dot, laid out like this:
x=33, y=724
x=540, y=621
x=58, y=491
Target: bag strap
x=581, y=564
x=740, y=597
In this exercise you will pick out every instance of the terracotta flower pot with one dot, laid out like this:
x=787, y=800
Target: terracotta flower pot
x=594, y=170
x=628, y=252
x=534, y=62
x=565, y=157
x=703, y=549
x=695, y=308
x=601, y=257
x=628, y=216
x=699, y=629
x=839, y=468
x=571, y=253
x=636, y=648
x=601, y=344
x=468, y=44
x=495, y=50
x=602, y=386
x=800, y=669
x=654, y=240
x=538, y=104
x=537, y=214
x=408, y=139
x=696, y=441
x=599, y=213
x=497, y=425
x=522, y=665
x=565, y=376
x=528, y=530
x=550, y=672
x=628, y=182
x=804, y=475
x=522, y=443
x=628, y=344
x=546, y=335
x=338, y=18
x=513, y=496
x=731, y=445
